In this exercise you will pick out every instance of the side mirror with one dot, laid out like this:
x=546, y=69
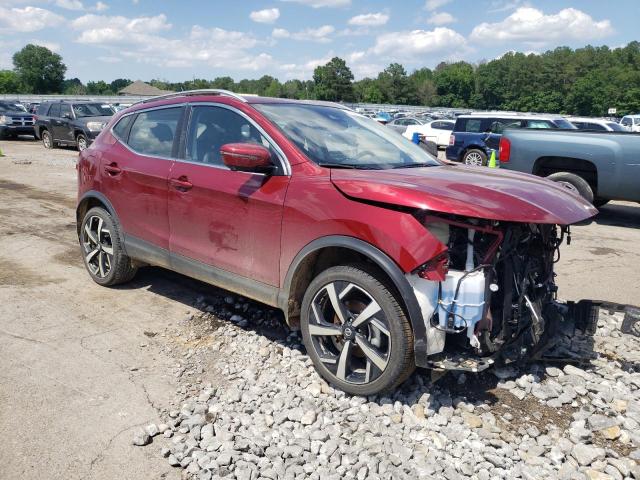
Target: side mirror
x=246, y=157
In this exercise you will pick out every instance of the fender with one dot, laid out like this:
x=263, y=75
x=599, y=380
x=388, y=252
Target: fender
x=383, y=261
x=88, y=195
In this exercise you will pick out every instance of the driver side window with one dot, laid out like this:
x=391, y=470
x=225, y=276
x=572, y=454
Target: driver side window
x=212, y=127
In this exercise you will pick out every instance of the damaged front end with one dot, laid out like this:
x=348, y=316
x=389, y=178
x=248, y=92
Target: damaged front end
x=491, y=297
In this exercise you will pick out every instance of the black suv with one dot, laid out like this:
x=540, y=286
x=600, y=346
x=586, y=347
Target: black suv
x=71, y=123
x=14, y=120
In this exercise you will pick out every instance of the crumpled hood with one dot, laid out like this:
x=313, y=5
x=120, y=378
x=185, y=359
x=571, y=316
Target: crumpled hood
x=469, y=191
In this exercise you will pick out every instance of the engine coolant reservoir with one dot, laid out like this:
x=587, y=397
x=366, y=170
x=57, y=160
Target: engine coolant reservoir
x=469, y=304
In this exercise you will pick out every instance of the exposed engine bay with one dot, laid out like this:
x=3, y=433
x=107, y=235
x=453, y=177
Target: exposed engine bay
x=491, y=296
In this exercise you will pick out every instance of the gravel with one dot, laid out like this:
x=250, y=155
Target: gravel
x=249, y=405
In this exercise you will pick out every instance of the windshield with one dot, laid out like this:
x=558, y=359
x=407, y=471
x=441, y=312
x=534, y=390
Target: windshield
x=11, y=107
x=333, y=137
x=92, y=110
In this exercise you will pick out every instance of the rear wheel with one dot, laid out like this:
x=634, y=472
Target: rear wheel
x=475, y=157
x=355, y=331
x=47, y=139
x=102, y=251
x=577, y=182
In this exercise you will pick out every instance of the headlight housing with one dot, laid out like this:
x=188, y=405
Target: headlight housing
x=95, y=126
x=4, y=119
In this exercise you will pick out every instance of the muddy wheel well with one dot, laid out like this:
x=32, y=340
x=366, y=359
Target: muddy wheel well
x=545, y=166
x=312, y=265
x=86, y=205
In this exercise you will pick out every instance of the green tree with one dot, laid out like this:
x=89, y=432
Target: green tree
x=455, y=84
x=73, y=86
x=333, y=81
x=274, y=89
x=9, y=82
x=119, y=83
x=39, y=69
x=395, y=86
x=99, y=88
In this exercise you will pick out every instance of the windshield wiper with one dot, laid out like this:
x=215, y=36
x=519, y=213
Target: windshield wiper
x=416, y=165
x=347, y=165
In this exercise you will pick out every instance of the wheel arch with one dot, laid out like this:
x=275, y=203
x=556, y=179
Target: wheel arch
x=92, y=199
x=547, y=165
x=335, y=250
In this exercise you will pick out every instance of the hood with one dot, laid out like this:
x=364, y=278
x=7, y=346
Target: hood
x=85, y=120
x=477, y=192
x=16, y=113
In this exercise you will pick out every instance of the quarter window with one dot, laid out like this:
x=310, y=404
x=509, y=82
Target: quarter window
x=212, y=127
x=65, y=111
x=153, y=132
x=121, y=128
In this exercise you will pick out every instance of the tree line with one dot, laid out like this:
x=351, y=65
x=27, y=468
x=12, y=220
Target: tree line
x=584, y=81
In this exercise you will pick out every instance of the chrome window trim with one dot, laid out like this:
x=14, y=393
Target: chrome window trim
x=284, y=161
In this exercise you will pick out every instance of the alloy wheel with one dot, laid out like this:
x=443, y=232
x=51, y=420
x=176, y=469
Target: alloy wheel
x=82, y=143
x=97, y=246
x=46, y=140
x=349, y=332
x=474, y=159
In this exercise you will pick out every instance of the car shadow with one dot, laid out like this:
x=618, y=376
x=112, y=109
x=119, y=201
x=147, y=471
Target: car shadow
x=431, y=389
x=619, y=215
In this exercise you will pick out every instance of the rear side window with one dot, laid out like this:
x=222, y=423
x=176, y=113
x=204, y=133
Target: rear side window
x=121, y=129
x=539, y=124
x=65, y=111
x=152, y=133
x=471, y=125
x=43, y=109
x=55, y=110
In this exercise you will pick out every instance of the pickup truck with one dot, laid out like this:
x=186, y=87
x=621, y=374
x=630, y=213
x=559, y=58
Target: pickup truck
x=602, y=166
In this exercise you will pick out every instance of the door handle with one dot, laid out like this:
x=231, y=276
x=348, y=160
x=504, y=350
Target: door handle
x=112, y=169
x=183, y=184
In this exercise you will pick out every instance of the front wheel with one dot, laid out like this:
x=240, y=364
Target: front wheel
x=82, y=143
x=355, y=331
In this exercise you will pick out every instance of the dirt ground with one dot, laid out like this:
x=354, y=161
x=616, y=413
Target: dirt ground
x=81, y=365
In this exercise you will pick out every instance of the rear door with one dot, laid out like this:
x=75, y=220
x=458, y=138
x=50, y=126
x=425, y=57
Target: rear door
x=136, y=170
x=227, y=219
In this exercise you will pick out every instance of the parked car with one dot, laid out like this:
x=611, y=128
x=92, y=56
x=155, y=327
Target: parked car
x=71, y=123
x=474, y=136
x=14, y=120
x=601, y=166
x=438, y=131
x=631, y=123
x=401, y=124
x=377, y=251
x=33, y=107
x=383, y=117
x=595, y=124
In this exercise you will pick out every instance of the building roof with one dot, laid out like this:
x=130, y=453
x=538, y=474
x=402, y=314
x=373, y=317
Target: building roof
x=142, y=89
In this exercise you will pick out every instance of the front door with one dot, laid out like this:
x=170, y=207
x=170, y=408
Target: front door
x=62, y=127
x=227, y=219
x=135, y=173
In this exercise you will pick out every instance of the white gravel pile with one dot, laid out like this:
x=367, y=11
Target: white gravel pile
x=268, y=415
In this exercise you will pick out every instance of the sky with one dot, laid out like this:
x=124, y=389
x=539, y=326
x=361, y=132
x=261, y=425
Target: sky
x=178, y=40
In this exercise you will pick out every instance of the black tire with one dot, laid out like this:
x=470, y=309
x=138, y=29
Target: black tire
x=599, y=202
x=475, y=157
x=81, y=142
x=47, y=139
x=120, y=267
x=388, y=331
x=579, y=183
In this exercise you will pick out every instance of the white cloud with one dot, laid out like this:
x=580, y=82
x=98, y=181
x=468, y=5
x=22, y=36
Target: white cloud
x=432, y=5
x=322, y=3
x=418, y=43
x=53, y=46
x=369, y=20
x=305, y=70
x=320, y=34
x=268, y=15
x=144, y=40
x=27, y=19
x=101, y=7
x=69, y=4
x=441, y=18
x=532, y=26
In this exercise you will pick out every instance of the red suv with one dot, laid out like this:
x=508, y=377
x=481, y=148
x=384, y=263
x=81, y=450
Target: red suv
x=383, y=256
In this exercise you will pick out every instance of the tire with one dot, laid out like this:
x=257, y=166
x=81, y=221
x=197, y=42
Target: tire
x=599, y=202
x=103, y=255
x=577, y=182
x=361, y=359
x=47, y=140
x=81, y=142
x=475, y=157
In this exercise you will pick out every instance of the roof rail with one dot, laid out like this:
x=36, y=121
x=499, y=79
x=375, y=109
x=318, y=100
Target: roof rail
x=187, y=93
